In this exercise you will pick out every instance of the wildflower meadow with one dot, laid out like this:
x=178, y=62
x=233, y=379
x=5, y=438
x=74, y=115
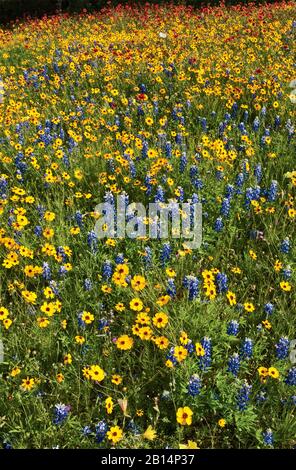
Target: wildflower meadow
x=133, y=338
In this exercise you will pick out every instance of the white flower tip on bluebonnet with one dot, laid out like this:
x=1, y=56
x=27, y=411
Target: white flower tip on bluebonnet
x=292, y=84
x=162, y=35
x=1, y=351
x=292, y=96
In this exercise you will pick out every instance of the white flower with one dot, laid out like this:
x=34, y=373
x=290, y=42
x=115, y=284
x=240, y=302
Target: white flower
x=292, y=84
x=162, y=35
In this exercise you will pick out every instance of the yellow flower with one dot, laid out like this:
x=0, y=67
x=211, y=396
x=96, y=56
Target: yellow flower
x=163, y=300
x=150, y=433
x=199, y=350
x=43, y=322
x=136, y=304
x=115, y=434
x=145, y=333
x=96, y=373
x=60, y=377
x=263, y=371
x=231, y=298
x=124, y=342
x=184, y=338
x=27, y=384
x=160, y=320
x=170, y=272
x=109, y=405
x=7, y=323
x=138, y=283
x=180, y=353
x=79, y=339
x=68, y=359
x=189, y=445
x=184, y=416
x=267, y=324
x=161, y=342
x=285, y=286
x=3, y=313
x=252, y=254
x=222, y=423
x=87, y=317
x=15, y=371
x=273, y=372
x=116, y=379
x=249, y=307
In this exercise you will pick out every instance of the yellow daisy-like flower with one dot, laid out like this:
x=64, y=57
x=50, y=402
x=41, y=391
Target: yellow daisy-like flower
x=184, y=416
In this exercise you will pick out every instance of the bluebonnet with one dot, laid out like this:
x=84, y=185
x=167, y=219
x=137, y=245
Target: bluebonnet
x=101, y=431
x=244, y=396
x=234, y=364
x=203, y=122
x=192, y=284
x=78, y=218
x=168, y=149
x=218, y=225
x=178, y=139
x=38, y=230
x=291, y=377
x=193, y=172
x=285, y=246
x=261, y=397
x=61, y=253
x=61, y=413
x=219, y=175
x=206, y=360
x=268, y=308
x=277, y=121
x=92, y=240
x=282, y=348
x=87, y=284
x=55, y=287
x=148, y=257
x=3, y=187
x=7, y=445
x=165, y=253
x=189, y=346
x=86, y=431
x=183, y=162
x=132, y=427
x=46, y=272
x=171, y=289
x=222, y=282
x=102, y=323
x=159, y=196
x=256, y=124
x=225, y=208
x=119, y=259
x=63, y=271
x=194, y=385
x=268, y=437
x=229, y=191
x=258, y=173
x=144, y=150
x=148, y=184
x=107, y=269
x=233, y=328
x=41, y=210
x=287, y=273
x=272, y=192
x=246, y=350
